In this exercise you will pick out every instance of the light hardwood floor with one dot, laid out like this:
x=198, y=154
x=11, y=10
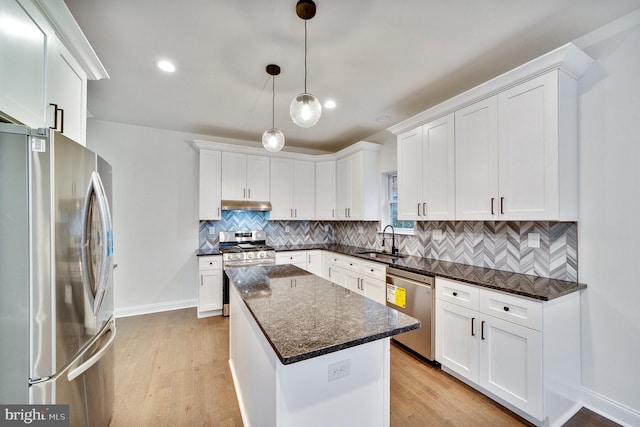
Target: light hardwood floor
x=172, y=370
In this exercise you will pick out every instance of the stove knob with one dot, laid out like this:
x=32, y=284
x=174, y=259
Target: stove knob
x=262, y=254
x=251, y=255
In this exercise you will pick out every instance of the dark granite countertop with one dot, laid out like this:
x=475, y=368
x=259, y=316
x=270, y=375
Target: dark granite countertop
x=304, y=316
x=209, y=251
x=529, y=286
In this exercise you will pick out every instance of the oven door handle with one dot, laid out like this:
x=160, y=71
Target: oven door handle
x=248, y=264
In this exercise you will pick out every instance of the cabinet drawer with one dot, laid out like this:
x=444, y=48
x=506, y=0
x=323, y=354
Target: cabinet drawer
x=457, y=293
x=512, y=308
x=210, y=263
x=352, y=264
x=335, y=260
x=292, y=257
x=374, y=270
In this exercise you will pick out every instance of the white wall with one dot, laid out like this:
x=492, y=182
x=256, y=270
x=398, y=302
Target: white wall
x=155, y=203
x=609, y=221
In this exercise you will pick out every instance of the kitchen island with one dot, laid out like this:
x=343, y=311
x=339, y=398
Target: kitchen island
x=305, y=351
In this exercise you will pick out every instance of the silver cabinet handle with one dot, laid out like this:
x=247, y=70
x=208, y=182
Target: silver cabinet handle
x=249, y=193
x=244, y=193
x=424, y=209
x=291, y=214
x=418, y=209
x=345, y=212
x=329, y=271
x=333, y=213
x=492, y=200
x=501, y=205
x=201, y=280
x=295, y=213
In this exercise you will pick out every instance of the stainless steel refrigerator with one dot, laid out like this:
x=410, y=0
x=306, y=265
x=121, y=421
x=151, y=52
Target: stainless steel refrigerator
x=56, y=275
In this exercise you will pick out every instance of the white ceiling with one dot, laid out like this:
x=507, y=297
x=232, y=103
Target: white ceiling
x=376, y=58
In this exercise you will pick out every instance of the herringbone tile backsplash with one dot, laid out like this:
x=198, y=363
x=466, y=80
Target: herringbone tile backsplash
x=498, y=245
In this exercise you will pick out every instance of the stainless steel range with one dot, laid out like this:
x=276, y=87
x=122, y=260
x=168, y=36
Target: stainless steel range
x=243, y=249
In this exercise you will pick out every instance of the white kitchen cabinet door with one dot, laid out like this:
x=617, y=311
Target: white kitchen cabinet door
x=528, y=149
x=410, y=174
x=476, y=161
x=337, y=275
x=353, y=282
x=245, y=177
x=210, y=167
x=210, y=286
x=257, y=178
x=281, y=189
x=511, y=363
x=374, y=289
x=457, y=344
x=343, y=187
x=426, y=172
x=234, y=176
x=325, y=184
x=314, y=262
x=357, y=186
x=304, y=197
x=67, y=90
x=24, y=45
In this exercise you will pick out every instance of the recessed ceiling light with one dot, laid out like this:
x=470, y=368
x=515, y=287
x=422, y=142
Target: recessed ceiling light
x=167, y=66
x=330, y=104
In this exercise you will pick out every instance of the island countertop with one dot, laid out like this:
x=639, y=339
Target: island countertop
x=304, y=316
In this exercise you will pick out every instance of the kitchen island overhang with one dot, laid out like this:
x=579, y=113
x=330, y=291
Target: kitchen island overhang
x=305, y=351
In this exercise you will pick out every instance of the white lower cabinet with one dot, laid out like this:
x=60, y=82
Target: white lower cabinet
x=362, y=277
x=210, y=286
x=297, y=258
x=521, y=352
x=314, y=262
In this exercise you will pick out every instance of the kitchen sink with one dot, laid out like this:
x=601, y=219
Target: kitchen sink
x=380, y=255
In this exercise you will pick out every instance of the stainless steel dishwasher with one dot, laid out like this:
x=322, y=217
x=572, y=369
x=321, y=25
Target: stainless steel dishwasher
x=413, y=294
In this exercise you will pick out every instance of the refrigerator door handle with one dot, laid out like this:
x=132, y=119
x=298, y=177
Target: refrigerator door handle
x=81, y=369
x=110, y=326
x=101, y=281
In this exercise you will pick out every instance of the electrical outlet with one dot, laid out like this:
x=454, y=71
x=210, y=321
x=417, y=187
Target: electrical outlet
x=339, y=369
x=437, y=235
x=533, y=240
x=211, y=231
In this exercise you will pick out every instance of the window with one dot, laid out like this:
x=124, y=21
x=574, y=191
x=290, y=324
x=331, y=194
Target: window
x=392, y=206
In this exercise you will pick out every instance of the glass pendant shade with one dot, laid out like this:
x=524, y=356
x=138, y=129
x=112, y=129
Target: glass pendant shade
x=273, y=140
x=305, y=110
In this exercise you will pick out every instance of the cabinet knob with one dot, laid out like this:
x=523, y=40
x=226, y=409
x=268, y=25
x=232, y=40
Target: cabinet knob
x=455, y=294
x=506, y=308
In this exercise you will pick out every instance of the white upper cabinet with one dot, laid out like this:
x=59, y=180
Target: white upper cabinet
x=476, y=160
x=24, y=40
x=357, y=186
x=426, y=177
x=43, y=70
x=67, y=98
x=210, y=189
x=292, y=189
x=245, y=177
x=326, y=190
x=516, y=153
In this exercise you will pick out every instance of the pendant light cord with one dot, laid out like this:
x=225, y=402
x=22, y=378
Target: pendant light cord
x=273, y=102
x=305, y=56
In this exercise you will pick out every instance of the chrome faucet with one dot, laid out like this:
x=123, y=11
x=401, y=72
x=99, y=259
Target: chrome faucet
x=394, y=250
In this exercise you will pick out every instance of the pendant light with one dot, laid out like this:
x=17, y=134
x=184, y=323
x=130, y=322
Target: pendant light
x=305, y=108
x=273, y=139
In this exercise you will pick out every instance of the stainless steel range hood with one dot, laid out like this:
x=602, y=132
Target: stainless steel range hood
x=246, y=205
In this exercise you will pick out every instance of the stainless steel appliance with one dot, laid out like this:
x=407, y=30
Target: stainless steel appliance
x=56, y=269
x=241, y=249
x=413, y=294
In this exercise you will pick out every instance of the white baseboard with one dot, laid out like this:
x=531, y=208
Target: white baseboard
x=611, y=409
x=154, y=308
